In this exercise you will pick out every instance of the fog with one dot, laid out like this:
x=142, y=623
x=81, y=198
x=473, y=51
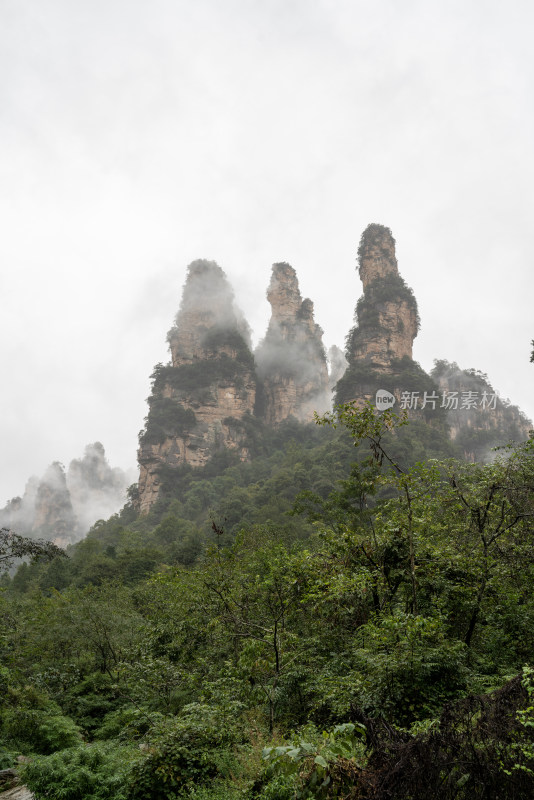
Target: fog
x=508, y=417
x=292, y=345
x=337, y=364
x=138, y=137
x=63, y=504
x=96, y=489
x=208, y=296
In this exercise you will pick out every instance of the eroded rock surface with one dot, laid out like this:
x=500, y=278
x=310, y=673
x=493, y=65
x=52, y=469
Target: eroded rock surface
x=198, y=399
x=291, y=358
x=381, y=343
x=387, y=313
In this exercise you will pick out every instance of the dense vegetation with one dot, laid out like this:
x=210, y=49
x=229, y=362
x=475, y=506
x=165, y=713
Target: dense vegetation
x=166, y=418
x=404, y=375
x=393, y=290
x=324, y=621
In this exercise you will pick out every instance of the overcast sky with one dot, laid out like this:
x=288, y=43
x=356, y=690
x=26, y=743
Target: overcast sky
x=138, y=136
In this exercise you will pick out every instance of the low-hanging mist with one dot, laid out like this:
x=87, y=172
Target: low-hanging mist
x=62, y=504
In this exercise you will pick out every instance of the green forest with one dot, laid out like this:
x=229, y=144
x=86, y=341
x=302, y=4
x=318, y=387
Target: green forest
x=350, y=614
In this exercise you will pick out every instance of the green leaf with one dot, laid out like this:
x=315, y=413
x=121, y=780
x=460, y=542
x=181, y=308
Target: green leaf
x=295, y=753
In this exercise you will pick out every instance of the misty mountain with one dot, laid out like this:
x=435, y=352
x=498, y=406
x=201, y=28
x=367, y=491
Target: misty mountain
x=216, y=398
x=62, y=505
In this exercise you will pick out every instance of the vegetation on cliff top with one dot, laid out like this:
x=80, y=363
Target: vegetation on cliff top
x=374, y=236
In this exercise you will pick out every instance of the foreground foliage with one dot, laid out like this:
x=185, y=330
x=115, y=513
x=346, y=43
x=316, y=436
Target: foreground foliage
x=376, y=644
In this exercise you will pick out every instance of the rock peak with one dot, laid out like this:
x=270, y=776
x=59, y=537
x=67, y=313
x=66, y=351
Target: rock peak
x=376, y=254
x=291, y=359
x=198, y=400
x=283, y=292
x=207, y=303
x=387, y=314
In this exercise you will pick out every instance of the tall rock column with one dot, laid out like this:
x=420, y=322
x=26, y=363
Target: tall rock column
x=54, y=516
x=199, y=398
x=387, y=312
x=291, y=359
x=379, y=347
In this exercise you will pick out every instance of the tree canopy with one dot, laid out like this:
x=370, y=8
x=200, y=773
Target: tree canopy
x=335, y=619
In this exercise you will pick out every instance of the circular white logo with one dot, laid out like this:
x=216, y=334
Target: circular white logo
x=384, y=400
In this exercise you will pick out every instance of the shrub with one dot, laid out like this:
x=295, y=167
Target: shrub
x=41, y=730
x=321, y=766
x=96, y=772
x=185, y=752
x=166, y=418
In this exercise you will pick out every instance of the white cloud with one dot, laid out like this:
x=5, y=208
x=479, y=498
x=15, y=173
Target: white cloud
x=137, y=137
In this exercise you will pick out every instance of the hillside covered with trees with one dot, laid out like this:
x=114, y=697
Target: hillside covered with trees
x=291, y=604
x=361, y=625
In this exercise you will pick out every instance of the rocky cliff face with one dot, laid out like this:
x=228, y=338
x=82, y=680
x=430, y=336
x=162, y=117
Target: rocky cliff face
x=291, y=359
x=207, y=307
x=19, y=513
x=202, y=400
x=45, y=509
x=208, y=386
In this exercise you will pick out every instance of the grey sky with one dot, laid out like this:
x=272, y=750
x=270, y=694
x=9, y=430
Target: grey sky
x=136, y=137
